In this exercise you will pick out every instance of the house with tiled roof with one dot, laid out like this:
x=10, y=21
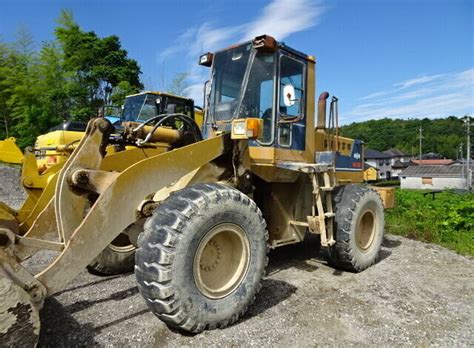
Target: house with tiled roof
x=434, y=177
x=432, y=162
x=381, y=161
x=398, y=167
x=398, y=155
x=399, y=160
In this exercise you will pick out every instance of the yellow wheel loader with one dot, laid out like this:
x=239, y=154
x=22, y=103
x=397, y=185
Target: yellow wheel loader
x=204, y=213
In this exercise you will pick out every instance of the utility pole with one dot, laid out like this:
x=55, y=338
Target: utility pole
x=467, y=123
x=421, y=140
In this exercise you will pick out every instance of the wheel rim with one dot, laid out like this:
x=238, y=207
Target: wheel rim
x=365, y=233
x=221, y=260
x=121, y=244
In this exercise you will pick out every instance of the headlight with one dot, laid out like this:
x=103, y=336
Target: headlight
x=206, y=59
x=238, y=127
x=247, y=128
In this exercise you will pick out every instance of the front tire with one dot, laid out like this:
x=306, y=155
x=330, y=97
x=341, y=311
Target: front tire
x=358, y=227
x=202, y=257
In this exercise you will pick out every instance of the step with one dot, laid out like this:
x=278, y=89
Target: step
x=326, y=188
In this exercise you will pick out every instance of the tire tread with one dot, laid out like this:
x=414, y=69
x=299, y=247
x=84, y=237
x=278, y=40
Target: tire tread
x=341, y=254
x=155, y=278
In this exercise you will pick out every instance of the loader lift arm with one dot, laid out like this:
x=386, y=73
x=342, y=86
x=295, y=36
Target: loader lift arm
x=84, y=238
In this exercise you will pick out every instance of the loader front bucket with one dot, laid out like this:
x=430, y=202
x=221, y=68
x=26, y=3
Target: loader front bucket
x=19, y=314
x=19, y=317
x=10, y=152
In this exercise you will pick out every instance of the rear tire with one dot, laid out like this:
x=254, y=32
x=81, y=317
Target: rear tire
x=202, y=257
x=117, y=258
x=358, y=227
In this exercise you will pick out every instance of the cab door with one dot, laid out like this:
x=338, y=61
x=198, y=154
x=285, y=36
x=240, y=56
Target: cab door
x=291, y=105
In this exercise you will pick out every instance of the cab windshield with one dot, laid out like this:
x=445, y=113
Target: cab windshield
x=242, y=86
x=144, y=106
x=133, y=106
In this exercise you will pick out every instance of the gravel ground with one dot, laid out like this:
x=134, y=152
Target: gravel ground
x=417, y=294
x=11, y=191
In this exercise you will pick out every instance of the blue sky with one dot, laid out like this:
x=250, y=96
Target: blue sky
x=382, y=58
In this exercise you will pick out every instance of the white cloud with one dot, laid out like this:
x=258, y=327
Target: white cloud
x=403, y=85
x=375, y=95
x=196, y=91
x=280, y=18
x=418, y=80
x=432, y=96
x=181, y=45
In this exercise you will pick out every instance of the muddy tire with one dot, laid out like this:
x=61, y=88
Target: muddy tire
x=19, y=318
x=116, y=258
x=358, y=228
x=202, y=257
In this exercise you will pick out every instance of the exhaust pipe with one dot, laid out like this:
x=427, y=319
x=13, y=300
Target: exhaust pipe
x=322, y=110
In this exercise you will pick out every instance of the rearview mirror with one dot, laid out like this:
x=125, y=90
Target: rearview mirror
x=289, y=95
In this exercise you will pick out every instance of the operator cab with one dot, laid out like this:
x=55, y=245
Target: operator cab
x=264, y=80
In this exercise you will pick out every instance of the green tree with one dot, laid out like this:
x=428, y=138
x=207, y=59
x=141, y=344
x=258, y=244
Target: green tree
x=20, y=76
x=96, y=67
x=5, y=116
x=121, y=91
x=70, y=77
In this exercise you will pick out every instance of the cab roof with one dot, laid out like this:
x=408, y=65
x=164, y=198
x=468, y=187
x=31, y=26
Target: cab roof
x=281, y=45
x=160, y=94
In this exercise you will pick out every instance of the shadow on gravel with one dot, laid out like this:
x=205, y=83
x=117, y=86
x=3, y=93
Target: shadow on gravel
x=272, y=293
x=391, y=243
x=383, y=254
x=109, y=278
x=98, y=329
x=387, y=244
x=303, y=256
x=60, y=329
x=117, y=296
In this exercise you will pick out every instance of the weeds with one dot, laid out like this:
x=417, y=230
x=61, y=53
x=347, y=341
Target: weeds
x=447, y=220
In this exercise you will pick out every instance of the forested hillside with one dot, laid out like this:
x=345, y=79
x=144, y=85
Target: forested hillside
x=442, y=135
x=70, y=77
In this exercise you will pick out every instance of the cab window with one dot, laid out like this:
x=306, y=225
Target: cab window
x=291, y=74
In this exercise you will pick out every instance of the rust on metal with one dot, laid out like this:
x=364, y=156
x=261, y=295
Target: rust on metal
x=265, y=43
x=322, y=110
